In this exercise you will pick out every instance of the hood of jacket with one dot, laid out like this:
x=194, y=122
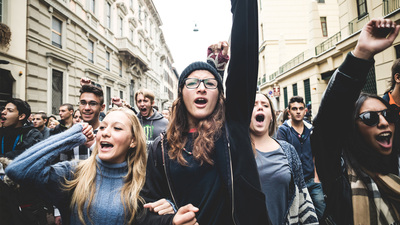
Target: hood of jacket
x=156, y=116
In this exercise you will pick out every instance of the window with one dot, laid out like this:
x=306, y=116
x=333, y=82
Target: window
x=57, y=91
x=320, y=1
x=131, y=34
x=1, y=10
x=56, y=32
x=108, y=61
x=397, y=49
x=294, y=89
x=108, y=97
x=140, y=12
x=92, y=6
x=132, y=93
x=6, y=86
x=120, y=68
x=285, y=96
x=108, y=15
x=307, y=91
x=121, y=94
x=131, y=3
x=120, y=26
x=324, y=27
x=362, y=8
x=90, y=51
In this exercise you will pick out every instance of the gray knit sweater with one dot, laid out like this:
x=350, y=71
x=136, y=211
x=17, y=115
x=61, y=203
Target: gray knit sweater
x=34, y=168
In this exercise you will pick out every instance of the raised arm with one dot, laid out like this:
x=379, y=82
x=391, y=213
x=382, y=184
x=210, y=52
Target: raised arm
x=241, y=81
x=334, y=115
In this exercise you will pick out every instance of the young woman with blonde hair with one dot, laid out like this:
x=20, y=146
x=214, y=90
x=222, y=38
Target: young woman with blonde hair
x=104, y=189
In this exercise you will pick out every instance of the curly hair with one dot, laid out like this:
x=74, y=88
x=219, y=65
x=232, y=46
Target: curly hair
x=208, y=131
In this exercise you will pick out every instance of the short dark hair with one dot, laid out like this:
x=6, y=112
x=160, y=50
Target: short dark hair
x=69, y=106
x=395, y=69
x=297, y=99
x=43, y=115
x=93, y=89
x=22, y=106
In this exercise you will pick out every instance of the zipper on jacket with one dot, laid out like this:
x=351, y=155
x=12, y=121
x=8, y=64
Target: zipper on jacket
x=230, y=167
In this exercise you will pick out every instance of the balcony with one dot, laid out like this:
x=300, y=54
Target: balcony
x=292, y=63
x=329, y=43
x=126, y=47
x=390, y=6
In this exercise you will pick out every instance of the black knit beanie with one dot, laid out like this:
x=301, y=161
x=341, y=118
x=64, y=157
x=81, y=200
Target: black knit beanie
x=200, y=66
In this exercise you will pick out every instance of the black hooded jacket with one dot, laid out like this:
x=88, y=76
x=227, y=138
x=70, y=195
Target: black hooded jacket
x=16, y=140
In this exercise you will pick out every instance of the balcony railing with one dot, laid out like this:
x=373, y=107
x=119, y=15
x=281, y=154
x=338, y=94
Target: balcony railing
x=390, y=6
x=329, y=43
x=123, y=44
x=292, y=63
x=357, y=24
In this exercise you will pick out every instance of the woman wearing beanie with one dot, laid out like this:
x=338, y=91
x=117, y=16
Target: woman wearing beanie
x=205, y=158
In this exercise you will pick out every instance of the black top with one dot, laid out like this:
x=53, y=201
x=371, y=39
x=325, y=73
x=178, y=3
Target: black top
x=207, y=190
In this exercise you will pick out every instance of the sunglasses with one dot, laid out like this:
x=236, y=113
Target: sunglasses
x=371, y=118
x=193, y=83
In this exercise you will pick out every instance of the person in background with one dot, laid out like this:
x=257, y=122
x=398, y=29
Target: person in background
x=296, y=131
x=77, y=117
x=165, y=113
x=39, y=121
x=65, y=112
x=152, y=121
x=355, y=143
x=49, y=119
x=16, y=136
x=393, y=94
x=279, y=167
x=53, y=124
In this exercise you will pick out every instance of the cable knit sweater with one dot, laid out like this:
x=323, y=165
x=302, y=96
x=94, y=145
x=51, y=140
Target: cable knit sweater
x=33, y=167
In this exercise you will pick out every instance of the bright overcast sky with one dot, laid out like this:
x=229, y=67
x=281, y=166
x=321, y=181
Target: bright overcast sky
x=213, y=19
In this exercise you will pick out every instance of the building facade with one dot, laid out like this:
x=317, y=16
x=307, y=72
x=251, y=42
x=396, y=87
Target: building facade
x=117, y=44
x=331, y=32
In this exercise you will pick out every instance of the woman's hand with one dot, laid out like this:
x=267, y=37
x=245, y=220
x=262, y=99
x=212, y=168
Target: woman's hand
x=376, y=36
x=161, y=207
x=186, y=215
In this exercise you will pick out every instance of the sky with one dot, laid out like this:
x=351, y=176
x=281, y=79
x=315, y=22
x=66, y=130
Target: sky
x=213, y=19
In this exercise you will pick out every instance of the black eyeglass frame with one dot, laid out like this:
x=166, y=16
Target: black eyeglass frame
x=198, y=81
x=391, y=116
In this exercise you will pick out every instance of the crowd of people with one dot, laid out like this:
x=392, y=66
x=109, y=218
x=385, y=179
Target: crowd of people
x=219, y=155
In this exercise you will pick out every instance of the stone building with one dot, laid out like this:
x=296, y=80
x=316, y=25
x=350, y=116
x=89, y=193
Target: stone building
x=118, y=44
x=307, y=48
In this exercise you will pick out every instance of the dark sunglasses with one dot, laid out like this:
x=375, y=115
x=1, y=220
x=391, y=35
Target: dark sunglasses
x=371, y=118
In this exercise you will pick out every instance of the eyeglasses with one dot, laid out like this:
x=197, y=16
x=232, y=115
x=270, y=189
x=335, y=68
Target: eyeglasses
x=193, y=83
x=91, y=103
x=371, y=118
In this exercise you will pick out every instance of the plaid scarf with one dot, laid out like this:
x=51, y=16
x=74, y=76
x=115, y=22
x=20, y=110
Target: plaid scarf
x=375, y=197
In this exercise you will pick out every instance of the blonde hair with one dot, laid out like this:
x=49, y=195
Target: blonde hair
x=83, y=184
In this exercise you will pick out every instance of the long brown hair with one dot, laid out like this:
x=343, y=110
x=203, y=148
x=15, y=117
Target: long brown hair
x=208, y=131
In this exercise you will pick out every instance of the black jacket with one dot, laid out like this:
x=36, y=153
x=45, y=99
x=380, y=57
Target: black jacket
x=23, y=138
x=331, y=127
x=237, y=158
